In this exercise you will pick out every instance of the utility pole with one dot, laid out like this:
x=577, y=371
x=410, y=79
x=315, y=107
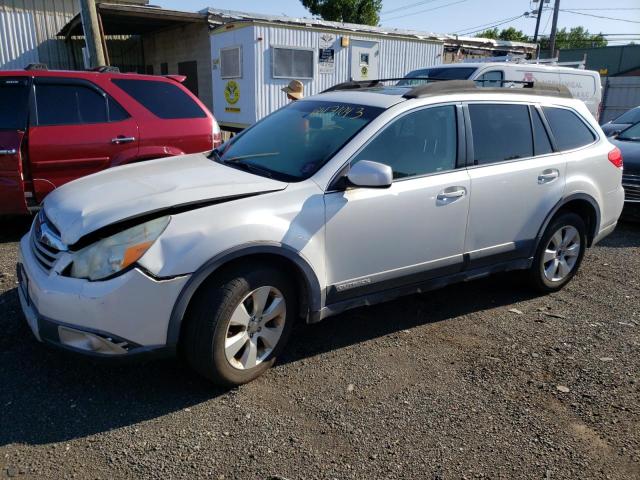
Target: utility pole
x=535, y=35
x=554, y=30
x=92, y=35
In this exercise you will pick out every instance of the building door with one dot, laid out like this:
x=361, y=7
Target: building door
x=190, y=70
x=364, y=60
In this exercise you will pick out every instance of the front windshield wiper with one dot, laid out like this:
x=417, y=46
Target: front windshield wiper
x=632, y=139
x=254, y=155
x=249, y=167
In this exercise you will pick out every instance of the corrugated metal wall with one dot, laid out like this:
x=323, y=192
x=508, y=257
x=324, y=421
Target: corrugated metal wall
x=28, y=30
x=620, y=94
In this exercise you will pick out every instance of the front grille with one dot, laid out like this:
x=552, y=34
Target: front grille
x=43, y=236
x=631, y=185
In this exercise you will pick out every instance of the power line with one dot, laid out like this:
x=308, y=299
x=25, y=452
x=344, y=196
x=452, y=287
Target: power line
x=417, y=4
x=605, y=9
x=492, y=26
x=489, y=23
x=600, y=16
x=423, y=11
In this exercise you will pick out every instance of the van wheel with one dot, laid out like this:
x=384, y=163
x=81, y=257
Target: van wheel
x=239, y=324
x=559, y=253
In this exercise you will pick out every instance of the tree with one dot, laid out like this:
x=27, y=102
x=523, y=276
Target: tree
x=366, y=12
x=510, y=34
x=577, y=37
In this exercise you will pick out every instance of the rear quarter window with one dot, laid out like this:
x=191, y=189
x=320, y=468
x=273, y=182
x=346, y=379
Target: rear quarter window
x=569, y=129
x=163, y=99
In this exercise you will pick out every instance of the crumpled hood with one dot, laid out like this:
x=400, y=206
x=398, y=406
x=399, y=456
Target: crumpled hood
x=120, y=193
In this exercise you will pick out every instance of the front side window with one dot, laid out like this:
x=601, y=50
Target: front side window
x=490, y=79
x=163, y=99
x=14, y=102
x=418, y=143
x=501, y=132
x=292, y=63
x=292, y=143
x=59, y=104
x=568, y=129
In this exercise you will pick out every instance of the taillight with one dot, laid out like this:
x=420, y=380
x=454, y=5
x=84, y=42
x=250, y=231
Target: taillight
x=216, y=134
x=615, y=157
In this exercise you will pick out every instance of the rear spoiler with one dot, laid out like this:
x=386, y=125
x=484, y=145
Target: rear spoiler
x=177, y=78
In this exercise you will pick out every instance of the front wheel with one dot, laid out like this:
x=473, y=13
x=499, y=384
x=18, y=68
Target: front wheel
x=239, y=324
x=559, y=253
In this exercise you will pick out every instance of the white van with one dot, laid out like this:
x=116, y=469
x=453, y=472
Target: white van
x=583, y=84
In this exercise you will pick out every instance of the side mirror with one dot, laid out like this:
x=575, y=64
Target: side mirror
x=370, y=174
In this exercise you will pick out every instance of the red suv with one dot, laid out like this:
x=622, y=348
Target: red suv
x=56, y=126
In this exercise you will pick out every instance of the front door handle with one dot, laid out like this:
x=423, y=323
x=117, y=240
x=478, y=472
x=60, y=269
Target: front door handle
x=548, y=176
x=10, y=151
x=119, y=140
x=450, y=195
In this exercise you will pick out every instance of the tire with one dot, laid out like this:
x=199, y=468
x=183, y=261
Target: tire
x=228, y=308
x=566, y=237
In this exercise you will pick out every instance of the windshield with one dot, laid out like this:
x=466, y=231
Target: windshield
x=14, y=94
x=438, y=73
x=632, y=116
x=294, y=142
x=631, y=133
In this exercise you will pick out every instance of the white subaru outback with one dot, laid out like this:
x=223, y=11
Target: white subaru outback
x=343, y=199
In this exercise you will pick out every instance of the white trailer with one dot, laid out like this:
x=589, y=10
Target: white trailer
x=255, y=56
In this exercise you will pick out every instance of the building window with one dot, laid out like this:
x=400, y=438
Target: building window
x=292, y=63
x=164, y=68
x=231, y=62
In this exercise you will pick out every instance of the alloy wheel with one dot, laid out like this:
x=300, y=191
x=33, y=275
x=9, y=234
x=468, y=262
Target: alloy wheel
x=561, y=254
x=255, y=327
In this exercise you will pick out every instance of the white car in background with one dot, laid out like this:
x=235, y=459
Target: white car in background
x=583, y=84
x=336, y=201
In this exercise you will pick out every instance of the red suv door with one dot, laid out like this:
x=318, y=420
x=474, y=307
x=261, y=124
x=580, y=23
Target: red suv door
x=14, y=98
x=77, y=129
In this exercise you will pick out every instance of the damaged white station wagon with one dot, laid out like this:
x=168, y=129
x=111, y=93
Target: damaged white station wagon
x=343, y=199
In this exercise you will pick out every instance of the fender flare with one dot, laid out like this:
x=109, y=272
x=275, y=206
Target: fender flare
x=315, y=293
x=558, y=206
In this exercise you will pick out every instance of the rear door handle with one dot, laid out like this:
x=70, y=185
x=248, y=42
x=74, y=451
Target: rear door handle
x=10, y=151
x=548, y=176
x=450, y=195
x=119, y=140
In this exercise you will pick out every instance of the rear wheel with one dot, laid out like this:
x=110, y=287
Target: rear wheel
x=239, y=324
x=559, y=253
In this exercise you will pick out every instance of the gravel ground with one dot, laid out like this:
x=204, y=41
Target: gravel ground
x=479, y=380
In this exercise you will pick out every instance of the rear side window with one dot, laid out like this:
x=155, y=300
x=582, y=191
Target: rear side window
x=69, y=105
x=163, y=99
x=500, y=132
x=568, y=129
x=14, y=96
x=542, y=144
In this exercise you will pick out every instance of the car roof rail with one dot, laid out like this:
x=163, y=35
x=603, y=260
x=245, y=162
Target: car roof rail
x=105, y=69
x=36, y=66
x=471, y=86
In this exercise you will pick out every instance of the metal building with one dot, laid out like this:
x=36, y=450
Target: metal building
x=255, y=56
x=29, y=34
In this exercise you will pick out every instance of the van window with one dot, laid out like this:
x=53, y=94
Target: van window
x=542, y=144
x=568, y=129
x=163, y=99
x=418, y=143
x=14, y=96
x=60, y=104
x=490, y=79
x=500, y=132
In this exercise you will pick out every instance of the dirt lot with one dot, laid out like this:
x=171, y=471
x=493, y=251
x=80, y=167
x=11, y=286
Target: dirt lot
x=481, y=380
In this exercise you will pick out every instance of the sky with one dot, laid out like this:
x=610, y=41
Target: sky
x=462, y=16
